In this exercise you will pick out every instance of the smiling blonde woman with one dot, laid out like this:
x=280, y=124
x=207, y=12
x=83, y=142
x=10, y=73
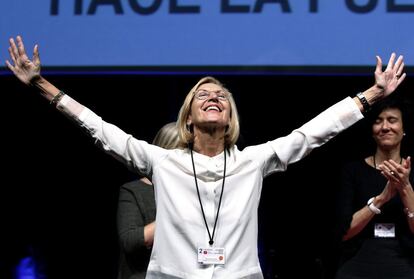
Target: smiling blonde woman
x=207, y=193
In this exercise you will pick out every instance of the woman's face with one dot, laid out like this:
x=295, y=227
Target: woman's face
x=387, y=129
x=210, y=107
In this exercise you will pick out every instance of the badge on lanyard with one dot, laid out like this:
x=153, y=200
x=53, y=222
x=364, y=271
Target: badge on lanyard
x=384, y=230
x=211, y=255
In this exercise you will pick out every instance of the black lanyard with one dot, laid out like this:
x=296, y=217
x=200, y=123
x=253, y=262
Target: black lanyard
x=211, y=242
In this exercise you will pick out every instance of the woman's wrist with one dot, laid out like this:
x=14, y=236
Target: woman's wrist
x=48, y=90
x=35, y=79
x=364, y=102
x=38, y=81
x=408, y=189
x=373, y=94
x=373, y=207
x=380, y=200
x=410, y=213
x=56, y=99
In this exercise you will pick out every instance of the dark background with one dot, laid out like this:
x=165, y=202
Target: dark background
x=59, y=192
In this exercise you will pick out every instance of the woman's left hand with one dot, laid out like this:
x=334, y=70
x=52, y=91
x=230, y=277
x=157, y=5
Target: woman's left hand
x=397, y=174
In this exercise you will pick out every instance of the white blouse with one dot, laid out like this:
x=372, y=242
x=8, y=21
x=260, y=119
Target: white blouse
x=180, y=228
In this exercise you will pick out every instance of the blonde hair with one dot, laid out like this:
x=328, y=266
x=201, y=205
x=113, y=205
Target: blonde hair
x=184, y=132
x=167, y=136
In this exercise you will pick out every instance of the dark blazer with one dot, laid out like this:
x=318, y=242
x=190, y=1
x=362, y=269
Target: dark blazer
x=136, y=208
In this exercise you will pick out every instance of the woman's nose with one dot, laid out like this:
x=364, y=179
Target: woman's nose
x=385, y=125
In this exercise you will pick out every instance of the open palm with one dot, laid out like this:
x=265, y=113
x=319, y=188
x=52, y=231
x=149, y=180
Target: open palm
x=393, y=75
x=25, y=69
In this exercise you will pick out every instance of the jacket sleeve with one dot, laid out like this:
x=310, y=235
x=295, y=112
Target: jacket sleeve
x=136, y=154
x=130, y=221
x=300, y=142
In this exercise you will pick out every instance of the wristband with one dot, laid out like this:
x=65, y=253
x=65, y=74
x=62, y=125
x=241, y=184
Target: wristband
x=57, y=97
x=372, y=207
x=363, y=101
x=409, y=213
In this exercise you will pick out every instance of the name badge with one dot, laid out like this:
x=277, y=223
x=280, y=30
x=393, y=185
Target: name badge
x=384, y=230
x=211, y=255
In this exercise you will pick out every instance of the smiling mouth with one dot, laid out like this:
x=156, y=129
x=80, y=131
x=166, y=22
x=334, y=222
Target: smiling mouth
x=215, y=108
x=386, y=135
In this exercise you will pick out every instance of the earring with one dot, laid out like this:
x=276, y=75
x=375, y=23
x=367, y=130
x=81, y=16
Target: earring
x=404, y=134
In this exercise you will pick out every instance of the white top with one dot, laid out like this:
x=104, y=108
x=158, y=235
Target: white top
x=180, y=227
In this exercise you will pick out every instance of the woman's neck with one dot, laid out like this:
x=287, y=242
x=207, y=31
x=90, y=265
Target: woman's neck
x=145, y=180
x=209, y=144
x=383, y=155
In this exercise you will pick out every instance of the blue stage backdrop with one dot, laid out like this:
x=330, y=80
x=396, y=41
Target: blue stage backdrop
x=216, y=34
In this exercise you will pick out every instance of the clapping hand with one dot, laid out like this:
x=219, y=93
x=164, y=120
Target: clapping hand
x=397, y=174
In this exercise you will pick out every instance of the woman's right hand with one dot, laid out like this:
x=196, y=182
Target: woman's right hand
x=389, y=79
x=387, y=194
x=23, y=68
